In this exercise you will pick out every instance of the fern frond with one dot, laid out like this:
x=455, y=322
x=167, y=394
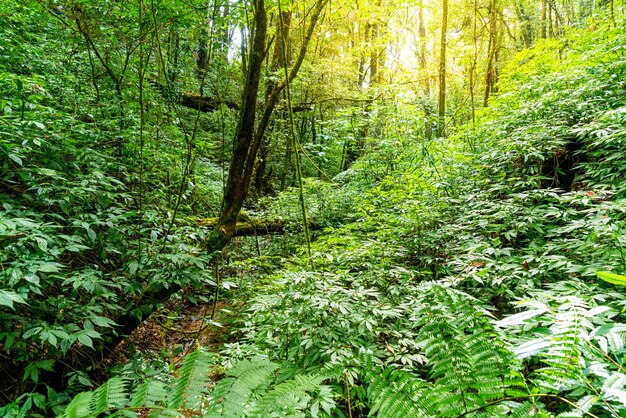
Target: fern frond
x=232, y=394
x=395, y=393
x=110, y=396
x=81, y=406
x=288, y=396
x=192, y=382
x=113, y=394
x=150, y=394
x=468, y=363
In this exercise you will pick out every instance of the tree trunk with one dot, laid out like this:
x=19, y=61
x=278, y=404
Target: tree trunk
x=223, y=30
x=422, y=52
x=491, y=51
x=261, y=180
x=472, y=71
x=362, y=63
x=525, y=23
x=442, y=69
x=201, y=54
x=543, y=18
x=245, y=148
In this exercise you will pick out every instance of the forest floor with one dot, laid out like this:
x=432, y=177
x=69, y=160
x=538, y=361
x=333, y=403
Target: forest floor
x=176, y=330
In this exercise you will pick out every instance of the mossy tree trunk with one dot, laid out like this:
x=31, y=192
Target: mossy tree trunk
x=245, y=148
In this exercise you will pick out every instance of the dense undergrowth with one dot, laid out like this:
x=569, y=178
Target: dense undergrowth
x=467, y=284
x=454, y=277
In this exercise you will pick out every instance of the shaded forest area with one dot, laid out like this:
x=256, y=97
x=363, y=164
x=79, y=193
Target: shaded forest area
x=320, y=208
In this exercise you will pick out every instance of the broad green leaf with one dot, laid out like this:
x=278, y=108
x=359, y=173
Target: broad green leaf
x=612, y=277
x=102, y=321
x=15, y=158
x=85, y=340
x=8, y=298
x=49, y=267
x=519, y=318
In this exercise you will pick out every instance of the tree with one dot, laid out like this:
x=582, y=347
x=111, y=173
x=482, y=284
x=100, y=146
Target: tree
x=492, y=50
x=442, y=68
x=248, y=136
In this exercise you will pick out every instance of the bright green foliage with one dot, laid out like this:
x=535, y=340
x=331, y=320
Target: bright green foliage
x=607, y=276
x=523, y=206
x=193, y=379
x=579, y=342
x=406, y=305
x=251, y=388
x=79, y=237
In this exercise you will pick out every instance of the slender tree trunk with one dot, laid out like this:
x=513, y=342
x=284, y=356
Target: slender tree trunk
x=286, y=166
x=472, y=72
x=543, y=18
x=261, y=182
x=373, y=54
x=491, y=51
x=362, y=63
x=201, y=54
x=223, y=30
x=422, y=52
x=550, y=28
x=442, y=68
x=525, y=23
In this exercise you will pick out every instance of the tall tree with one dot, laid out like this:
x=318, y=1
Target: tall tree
x=544, y=12
x=423, y=62
x=283, y=24
x=246, y=142
x=442, y=68
x=492, y=49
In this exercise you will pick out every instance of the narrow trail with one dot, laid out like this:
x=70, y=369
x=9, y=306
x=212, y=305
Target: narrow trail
x=175, y=331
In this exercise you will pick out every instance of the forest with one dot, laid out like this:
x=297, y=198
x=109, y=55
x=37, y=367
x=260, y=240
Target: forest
x=313, y=208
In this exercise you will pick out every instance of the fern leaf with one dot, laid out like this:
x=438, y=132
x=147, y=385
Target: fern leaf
x=149, y=394
x=113, y=394
x=232, y=394
x=81, y=406
x=287, y=396
x=394, y=393
x=192, y=382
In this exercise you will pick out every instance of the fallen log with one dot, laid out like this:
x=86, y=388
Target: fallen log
x=250, y=228
x=192, y=100
x=210, y=103
x=205, y=103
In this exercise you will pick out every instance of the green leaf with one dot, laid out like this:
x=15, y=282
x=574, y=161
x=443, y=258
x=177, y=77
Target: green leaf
x=49, y=267
x=8, y=298
x=41, y=243
x=519, y=318
x=15, y=158
x=85, y=340
x=612, y=277
x=102, y=321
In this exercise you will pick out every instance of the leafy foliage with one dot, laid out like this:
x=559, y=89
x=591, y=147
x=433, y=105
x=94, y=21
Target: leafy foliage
x=405, y=307
x=250, y=389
